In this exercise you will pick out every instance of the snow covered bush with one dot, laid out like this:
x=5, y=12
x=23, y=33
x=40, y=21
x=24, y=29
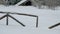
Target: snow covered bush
x=9, y=2
x=49, y=3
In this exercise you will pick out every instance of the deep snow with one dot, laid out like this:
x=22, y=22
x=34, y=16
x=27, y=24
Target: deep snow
x=47, y=18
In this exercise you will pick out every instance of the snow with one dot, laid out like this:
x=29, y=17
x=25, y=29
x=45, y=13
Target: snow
x=47, y=18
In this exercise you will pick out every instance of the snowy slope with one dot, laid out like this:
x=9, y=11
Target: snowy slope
x=47, y=18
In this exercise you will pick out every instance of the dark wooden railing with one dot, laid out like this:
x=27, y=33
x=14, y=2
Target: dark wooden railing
x=7, y=15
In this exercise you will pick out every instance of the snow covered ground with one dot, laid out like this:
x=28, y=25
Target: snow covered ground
x=47, y=18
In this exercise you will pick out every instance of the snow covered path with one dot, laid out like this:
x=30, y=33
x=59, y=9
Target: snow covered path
x=47, y=18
